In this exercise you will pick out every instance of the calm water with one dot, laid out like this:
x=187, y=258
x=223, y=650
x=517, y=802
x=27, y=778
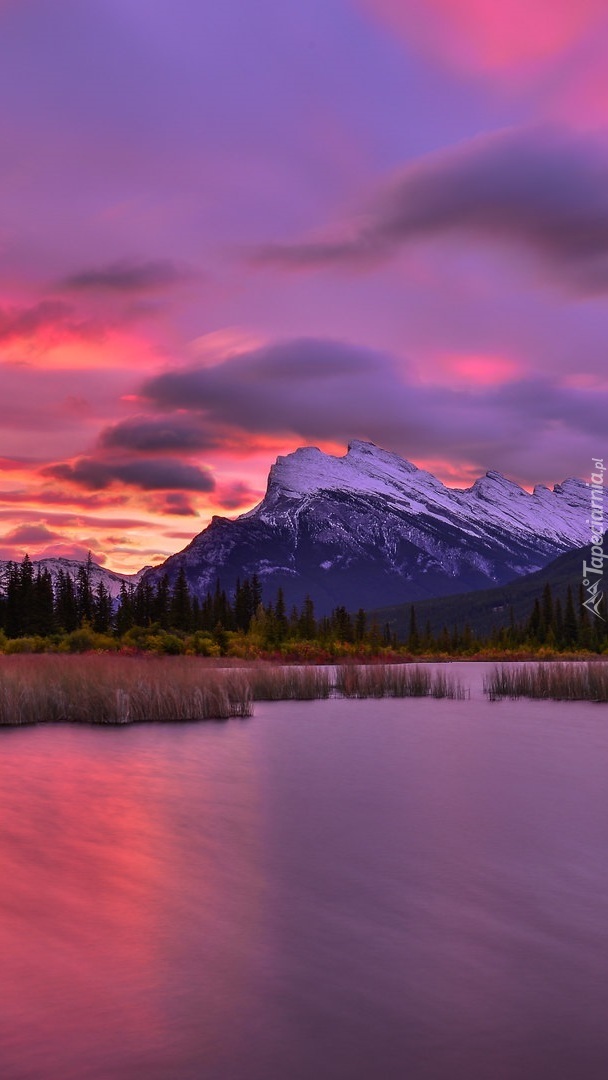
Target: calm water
x=411, y=889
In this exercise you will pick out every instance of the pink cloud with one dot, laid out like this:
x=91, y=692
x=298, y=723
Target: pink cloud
x=67, y=550
x=475, y=370
x=582, y=99
x=30, y=534
x=482, y=36
x=237, y=496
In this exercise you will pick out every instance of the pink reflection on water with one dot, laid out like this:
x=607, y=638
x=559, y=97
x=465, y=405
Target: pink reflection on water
x=98, y=910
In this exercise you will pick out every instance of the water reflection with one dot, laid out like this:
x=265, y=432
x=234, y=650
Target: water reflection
x=335, y=890
x=130, y=890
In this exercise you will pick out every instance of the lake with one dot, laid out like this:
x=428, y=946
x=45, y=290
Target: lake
x=395, y=889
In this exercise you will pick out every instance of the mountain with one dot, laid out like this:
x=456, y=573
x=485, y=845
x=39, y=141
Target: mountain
x=111, y=580
x=370, y=529
x=488, y=609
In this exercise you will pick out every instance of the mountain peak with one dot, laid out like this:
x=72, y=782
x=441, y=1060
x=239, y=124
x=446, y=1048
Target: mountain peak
x=490, y=485
x=364, y=468
x=367, y=528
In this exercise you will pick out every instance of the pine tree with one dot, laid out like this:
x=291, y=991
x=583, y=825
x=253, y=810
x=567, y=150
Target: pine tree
x=66, y=607
x=546, y=623
x=256, y=593
x=43, y=608
x=280, y=616
x=84, y=591
x=243, y=605
x=558, y=622
x=125, y=618
x=570, y=621
x=180, y=614
x=585, y=630
x=413, y=641
x=534, y=627
x=360, y=625
x=13, y=597
x=26, y=597
x=307, y=625
x=102, y=609
x=341, y=625
x=162, y=602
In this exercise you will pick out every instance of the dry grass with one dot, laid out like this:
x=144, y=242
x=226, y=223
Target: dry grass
x=404, y=681
x=555, y=682
x=117, y=690
x=111, y=689
x=288, y=683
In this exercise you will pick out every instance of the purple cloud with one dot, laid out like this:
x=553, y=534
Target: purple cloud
x=29, y=534
x=325, y=390
x=125, y=276
x=175, y=502
x=158, y=434
x=157, y=475
x=544, y=191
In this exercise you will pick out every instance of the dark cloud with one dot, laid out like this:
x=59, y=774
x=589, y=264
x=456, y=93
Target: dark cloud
x=275, y=387
x=126, y=276
x=235, y=496
x=157, y=475
x=177, y=503
x=316, y=390
x=545, y=191
x=157, y=434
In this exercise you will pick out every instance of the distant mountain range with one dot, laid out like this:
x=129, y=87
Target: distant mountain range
x=111, y=580
x=370, y=529
x=488, y=609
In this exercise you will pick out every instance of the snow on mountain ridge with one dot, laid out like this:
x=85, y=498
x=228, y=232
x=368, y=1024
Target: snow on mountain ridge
x=370, y=528
x=491, y=501
x=111, y=578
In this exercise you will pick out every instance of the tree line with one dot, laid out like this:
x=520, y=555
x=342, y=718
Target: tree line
x=164, y=615
x=32, y=605
x=549, y=625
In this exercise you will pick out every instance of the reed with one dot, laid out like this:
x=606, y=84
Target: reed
x=288, y=683
x=112, y=689
x=379, y=680
x=556, y=682
x=117, y=690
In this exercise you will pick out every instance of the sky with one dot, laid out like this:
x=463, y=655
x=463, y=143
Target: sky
x=231, y=229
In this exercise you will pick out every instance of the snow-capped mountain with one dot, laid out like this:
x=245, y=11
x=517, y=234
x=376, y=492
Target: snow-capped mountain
x=111, y=580
x=370, y=529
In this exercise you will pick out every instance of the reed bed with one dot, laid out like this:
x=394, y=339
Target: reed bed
x=288, y=683
x=117, y=690
x=111, y=689
x=556, y=682
x=380, y=680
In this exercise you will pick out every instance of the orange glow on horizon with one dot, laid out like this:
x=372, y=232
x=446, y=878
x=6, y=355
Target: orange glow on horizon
x=116, y=349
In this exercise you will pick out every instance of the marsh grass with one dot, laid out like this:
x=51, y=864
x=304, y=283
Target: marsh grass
x=556, y=682
x=117, y=690
x=111, y=689
x=288, y=683
x=377, y=681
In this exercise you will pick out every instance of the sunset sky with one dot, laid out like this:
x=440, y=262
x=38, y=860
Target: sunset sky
x=228, y=229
